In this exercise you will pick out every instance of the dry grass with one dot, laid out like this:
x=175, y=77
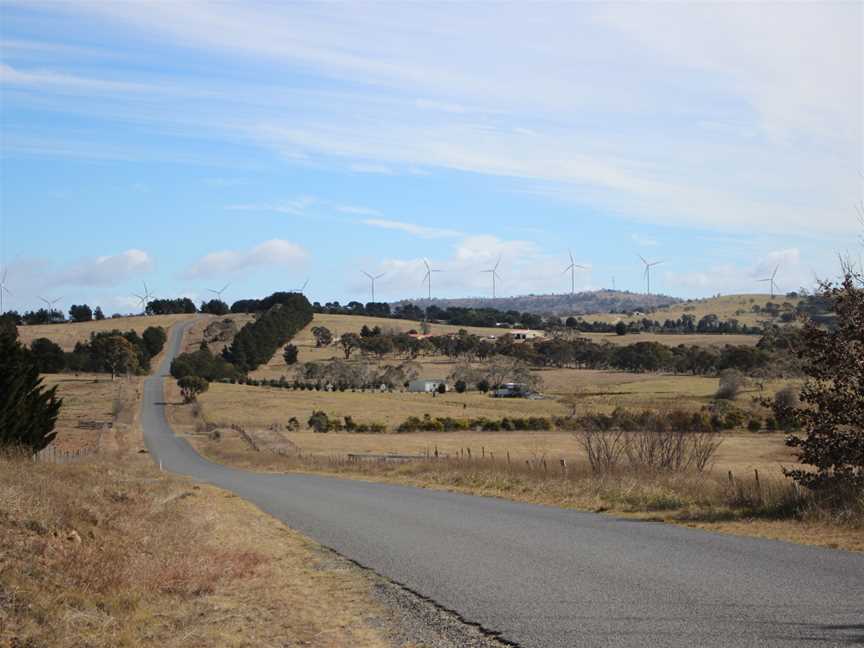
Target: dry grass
x=566, y=390
x=725, y=307
x=101, y=554
x=68, y=333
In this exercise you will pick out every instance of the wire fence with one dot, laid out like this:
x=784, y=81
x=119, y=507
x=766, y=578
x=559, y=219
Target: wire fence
x=52, y=454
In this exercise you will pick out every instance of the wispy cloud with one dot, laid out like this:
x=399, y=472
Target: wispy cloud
x=275, y=252
x=410, y=228
x=296, y=207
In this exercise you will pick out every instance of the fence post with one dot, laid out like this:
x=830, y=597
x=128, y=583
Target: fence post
x=436, y=451
x=563, y=467
x=469, y=454
x=758, y=485
x=482, y=452
x=731, y=479
x=508, y=457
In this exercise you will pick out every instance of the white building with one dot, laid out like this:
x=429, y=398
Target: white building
x=425, y=384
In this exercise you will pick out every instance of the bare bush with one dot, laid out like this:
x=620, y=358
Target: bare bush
x=731, y=382
x=603, y=449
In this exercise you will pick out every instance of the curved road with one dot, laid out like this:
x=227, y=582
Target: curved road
x=545, y=577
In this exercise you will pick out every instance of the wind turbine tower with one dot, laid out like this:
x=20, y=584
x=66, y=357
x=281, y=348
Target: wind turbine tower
x=494, y=272
x=771, y=281
x=3, y=288
x=219, y=292
x=428, y=277
x=647, y=274
x=372, y=279
x=572, y=270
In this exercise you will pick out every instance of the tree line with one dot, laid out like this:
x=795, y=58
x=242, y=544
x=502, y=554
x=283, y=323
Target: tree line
x=113, y=351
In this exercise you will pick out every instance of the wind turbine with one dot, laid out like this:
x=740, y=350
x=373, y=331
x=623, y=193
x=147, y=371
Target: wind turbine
x=49, y=306
x=494, y=272
x=771, y=280
x=302, y=288
x=3, y=288
x=219, y=292
x=647, y=274
x=572, y=270
x=372, y=279
x=145, y=298
x=428, y=277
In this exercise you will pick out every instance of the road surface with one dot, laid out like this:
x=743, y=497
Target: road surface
x=545, y=577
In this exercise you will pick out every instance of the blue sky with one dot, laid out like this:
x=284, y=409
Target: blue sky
x=193, y=144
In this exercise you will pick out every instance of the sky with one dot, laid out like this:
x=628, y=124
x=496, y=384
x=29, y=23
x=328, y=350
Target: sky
x=190, y=145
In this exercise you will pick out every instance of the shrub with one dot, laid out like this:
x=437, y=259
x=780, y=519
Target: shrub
x=442, y=388
x=319, y=422
x=290, y=354
x=460, y=386
x=483, y=385
x=754, y=425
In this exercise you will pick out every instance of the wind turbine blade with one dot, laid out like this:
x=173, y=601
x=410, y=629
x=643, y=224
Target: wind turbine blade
x=774, y=274
x=643, y=259
x=378, y=276
x=367, y=274
x=497, y=263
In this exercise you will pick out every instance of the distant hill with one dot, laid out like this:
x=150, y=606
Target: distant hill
x=583, y=303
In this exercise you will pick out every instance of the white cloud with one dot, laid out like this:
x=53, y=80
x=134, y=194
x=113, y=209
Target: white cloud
x=275, y=252
x=730, y=278
x=410, y=228
x=524, y=269
x=104, y=269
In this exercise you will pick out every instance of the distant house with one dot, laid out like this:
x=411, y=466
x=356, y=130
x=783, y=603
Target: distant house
x=425, y=384
x=512, y=390
x=525, y=334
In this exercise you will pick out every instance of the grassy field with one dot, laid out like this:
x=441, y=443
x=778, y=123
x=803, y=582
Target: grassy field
x=113, y=553
x=725, y=307
x=93, y=397
x=67, y=334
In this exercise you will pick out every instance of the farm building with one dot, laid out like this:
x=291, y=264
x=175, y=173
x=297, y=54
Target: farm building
x=525, y=334
x=425, y=385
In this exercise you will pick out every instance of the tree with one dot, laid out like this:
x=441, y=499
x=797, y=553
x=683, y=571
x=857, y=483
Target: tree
x=117, y=353
x=831, y=413
x=80, y=313
x=621, y=328
x=349, y=342
x=48, y=356
x=290, y=354
x=323, y=336
x=98, y=314
x=154, y=338
x=191, y=386
x=442, y=388
x=28, y=411
x=215, y=307
x=460, y=386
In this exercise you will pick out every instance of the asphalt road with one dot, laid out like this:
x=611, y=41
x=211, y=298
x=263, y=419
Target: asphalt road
x=544, y=577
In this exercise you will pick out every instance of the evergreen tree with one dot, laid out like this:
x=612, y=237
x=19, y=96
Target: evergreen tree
x=28, y=411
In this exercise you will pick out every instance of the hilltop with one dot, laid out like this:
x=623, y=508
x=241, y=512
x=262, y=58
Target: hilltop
x=582, y=303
